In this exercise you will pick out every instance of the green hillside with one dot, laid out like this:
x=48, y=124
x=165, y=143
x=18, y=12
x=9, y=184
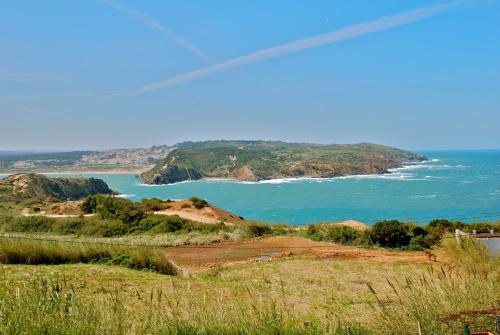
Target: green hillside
x=22, y=186
x=262, y=160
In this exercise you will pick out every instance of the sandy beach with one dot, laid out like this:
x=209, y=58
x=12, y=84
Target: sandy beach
x=71, y=172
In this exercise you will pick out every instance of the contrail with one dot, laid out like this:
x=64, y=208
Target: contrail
x=158, y=26
x=356, y=30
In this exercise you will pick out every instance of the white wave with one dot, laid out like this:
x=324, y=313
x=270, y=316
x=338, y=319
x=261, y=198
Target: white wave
x=391, y=176
x=163, y=185
x=427, y=167
x=289, y=180
x=427, y=196
x=125, y=195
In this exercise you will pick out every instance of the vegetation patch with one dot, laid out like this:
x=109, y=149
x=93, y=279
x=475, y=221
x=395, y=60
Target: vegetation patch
x=34, y=252
x=288, y=297
x=260, y=160
x=198, y=203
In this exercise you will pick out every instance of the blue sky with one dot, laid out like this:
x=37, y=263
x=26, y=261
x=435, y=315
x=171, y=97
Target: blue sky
x=108, y=74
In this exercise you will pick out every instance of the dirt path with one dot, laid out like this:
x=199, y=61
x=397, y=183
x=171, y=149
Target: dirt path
x=267, y=249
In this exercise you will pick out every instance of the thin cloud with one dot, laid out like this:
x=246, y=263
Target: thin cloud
x=183, y=42
x=332, y=37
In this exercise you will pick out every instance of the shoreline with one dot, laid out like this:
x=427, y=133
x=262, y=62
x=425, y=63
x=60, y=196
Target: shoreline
x=279, y=180
x=70, y=172
x=403, y=166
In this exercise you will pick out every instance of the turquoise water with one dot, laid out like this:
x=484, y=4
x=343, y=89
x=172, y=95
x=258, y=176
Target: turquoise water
x=462, y=185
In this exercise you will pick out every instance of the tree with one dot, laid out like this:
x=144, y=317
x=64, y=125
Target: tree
x=391, y=233
x=113, y=208
x=119, y=208
x=89, y=205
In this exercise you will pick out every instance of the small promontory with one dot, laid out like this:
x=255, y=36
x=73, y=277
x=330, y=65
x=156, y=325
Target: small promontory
x=23, y=186
x=264, y=160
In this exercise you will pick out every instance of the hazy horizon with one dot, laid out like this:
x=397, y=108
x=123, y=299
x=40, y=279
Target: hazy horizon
x=127, y=74
x=54, y=150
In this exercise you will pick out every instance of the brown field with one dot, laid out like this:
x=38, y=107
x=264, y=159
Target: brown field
x=200, y=257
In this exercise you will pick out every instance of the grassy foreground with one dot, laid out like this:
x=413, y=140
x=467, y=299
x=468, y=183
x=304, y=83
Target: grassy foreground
x=290, y=296
x=34, y=252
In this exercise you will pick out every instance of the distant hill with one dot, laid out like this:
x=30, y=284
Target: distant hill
x=127, y=159
x=262, y=160
x=18, y=187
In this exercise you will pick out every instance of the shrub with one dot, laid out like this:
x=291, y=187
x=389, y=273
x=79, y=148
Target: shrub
x=419, y=238
x=119, y=208
x=254, y=229
x=113, y=208
x=89, y=205
x=198, y=203
x=103, y=228
x=160, y=224
x=153, y=204
x=335, y=233
x=30, y=224
x=69, y=226
x=185, y=206
x=391, y=233
x=482, y=227
x=446, y=225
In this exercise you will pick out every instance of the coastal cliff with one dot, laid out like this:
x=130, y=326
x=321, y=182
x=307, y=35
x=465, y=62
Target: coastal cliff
x=22, y=186
x=264, y=160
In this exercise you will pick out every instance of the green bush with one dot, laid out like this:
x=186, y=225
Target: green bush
x=446, y=225
x=153, y=204
x=89, y=205
x=482, y=227
x=157, y=224
x=70, y=225
x=113, y=208
x=254, y=229
x=98, y=227
x=198, y=202
x=335, y=233
x=390, y=233
x=103, y=228
x=419, y=238
x=30, y=224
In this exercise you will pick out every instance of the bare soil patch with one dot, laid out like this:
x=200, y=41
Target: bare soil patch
x=208, y=214
x=271, y=248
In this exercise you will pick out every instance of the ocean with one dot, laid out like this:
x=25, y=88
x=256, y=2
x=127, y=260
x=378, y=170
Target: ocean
x=456, y=185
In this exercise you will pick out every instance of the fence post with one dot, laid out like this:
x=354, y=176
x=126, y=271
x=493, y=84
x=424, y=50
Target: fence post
x=466, y=329
x=419, y=328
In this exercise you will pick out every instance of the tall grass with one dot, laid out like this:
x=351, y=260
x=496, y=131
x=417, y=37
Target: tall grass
x=53, y=307
x=19, y=251
x=464, y=290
